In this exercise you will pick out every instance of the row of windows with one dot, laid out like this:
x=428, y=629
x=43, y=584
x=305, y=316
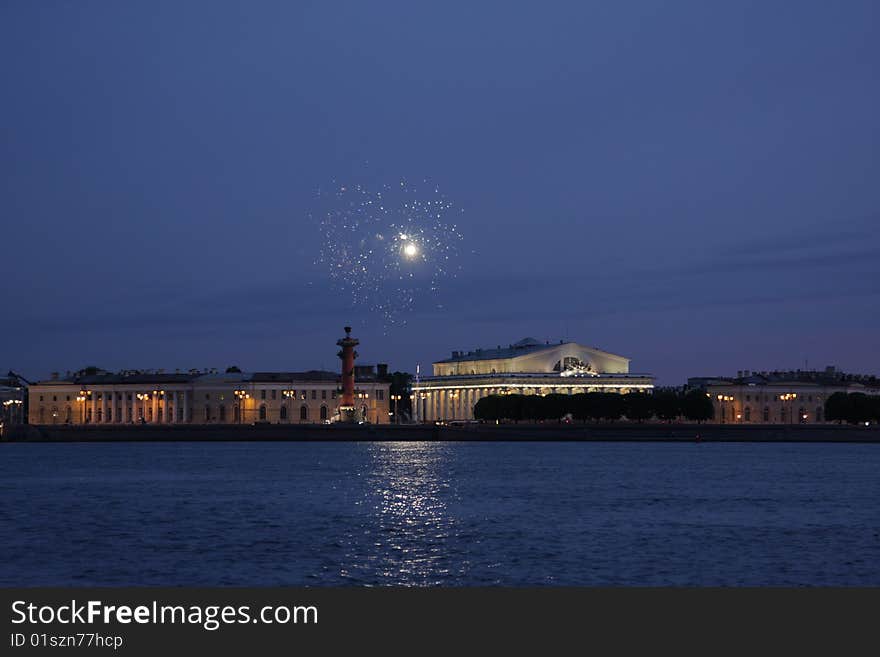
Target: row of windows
x=273, y=394
x=759, y=398
x=801, y=416
x=263, y=413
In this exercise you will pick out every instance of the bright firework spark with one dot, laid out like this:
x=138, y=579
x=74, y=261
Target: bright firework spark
x=388, y=248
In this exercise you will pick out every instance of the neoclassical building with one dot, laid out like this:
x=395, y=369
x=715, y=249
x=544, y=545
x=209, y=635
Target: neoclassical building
x=203, y=398
x=526, y=367
x=779, y=397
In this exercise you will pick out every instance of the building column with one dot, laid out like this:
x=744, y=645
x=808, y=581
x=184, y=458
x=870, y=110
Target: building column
x=94, y=406
x=186, y=406
x=104, y=405
x=155, y=406
x=171, y=406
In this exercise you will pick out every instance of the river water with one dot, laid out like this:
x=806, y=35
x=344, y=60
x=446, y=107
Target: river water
x=439, y=513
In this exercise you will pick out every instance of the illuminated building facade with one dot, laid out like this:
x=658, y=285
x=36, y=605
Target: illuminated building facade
x=527, y=367
x=196, y=397
x=12, y=401
x=790, y=397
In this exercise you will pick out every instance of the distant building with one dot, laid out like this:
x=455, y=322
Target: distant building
x=13, y=401
x=204, y=397
x=779, y=397
x=526, y=367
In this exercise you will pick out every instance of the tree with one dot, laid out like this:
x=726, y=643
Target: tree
x=488, y=408
x=697, y=406
x=533, y=407
x=401, y=384
x=667, y=406
x=583, y=406
x=233, y=369
x=612, y=405
x=555, y=406
x=854, y=408
x=639, y=406
x=512, y=407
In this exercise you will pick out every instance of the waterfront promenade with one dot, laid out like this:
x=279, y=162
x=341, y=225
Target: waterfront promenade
x=617, y=431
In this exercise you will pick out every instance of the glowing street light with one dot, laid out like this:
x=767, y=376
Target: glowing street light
x=83, y=396
x=12, y=406
x=242, y=396
x=396, y=399
x=788, y=397
x=721, y=400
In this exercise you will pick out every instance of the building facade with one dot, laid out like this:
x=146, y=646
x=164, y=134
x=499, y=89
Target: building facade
x=526, y=367
x=13, y=401
x=779, y=397
x=136, y=397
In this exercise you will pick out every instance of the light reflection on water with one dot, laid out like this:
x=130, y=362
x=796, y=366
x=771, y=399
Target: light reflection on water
x=405, y=536
x=519, y=514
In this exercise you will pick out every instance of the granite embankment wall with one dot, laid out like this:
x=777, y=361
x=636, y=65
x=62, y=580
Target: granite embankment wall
x=505, y=432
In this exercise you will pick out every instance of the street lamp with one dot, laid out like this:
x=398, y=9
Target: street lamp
x=363, y=396
x=788, y=397
x=141, y=396
x=82, y=398
x=13, y=406
x=242, y=396
x=396, y=399
x=290, y=395
x=722, y=399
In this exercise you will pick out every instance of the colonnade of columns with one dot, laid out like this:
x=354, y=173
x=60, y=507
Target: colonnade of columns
x=110, y=406
x=451, y=403
x=458, y=403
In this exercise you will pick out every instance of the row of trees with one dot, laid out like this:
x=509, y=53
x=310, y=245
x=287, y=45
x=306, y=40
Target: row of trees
x=855, y=408
x=596, y=406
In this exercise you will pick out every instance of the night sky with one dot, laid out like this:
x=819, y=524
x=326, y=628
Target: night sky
x=692, y=184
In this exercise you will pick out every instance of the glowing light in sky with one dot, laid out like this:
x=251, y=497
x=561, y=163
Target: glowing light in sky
x=386, y=249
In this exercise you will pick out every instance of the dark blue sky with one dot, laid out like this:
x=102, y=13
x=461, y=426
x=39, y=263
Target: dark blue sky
x=693, y=184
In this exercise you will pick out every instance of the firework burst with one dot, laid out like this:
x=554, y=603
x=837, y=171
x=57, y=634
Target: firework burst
x=386, y=249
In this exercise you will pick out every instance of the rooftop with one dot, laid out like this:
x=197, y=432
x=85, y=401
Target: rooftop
x=828, y=376
x=209, y=376
x=521, y=348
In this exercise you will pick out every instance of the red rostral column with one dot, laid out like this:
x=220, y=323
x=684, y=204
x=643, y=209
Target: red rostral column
x=347, y=354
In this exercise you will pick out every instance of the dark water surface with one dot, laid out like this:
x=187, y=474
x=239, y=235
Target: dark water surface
x=439, y=513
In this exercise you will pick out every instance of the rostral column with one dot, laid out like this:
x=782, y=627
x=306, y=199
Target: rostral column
x=347, y=354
